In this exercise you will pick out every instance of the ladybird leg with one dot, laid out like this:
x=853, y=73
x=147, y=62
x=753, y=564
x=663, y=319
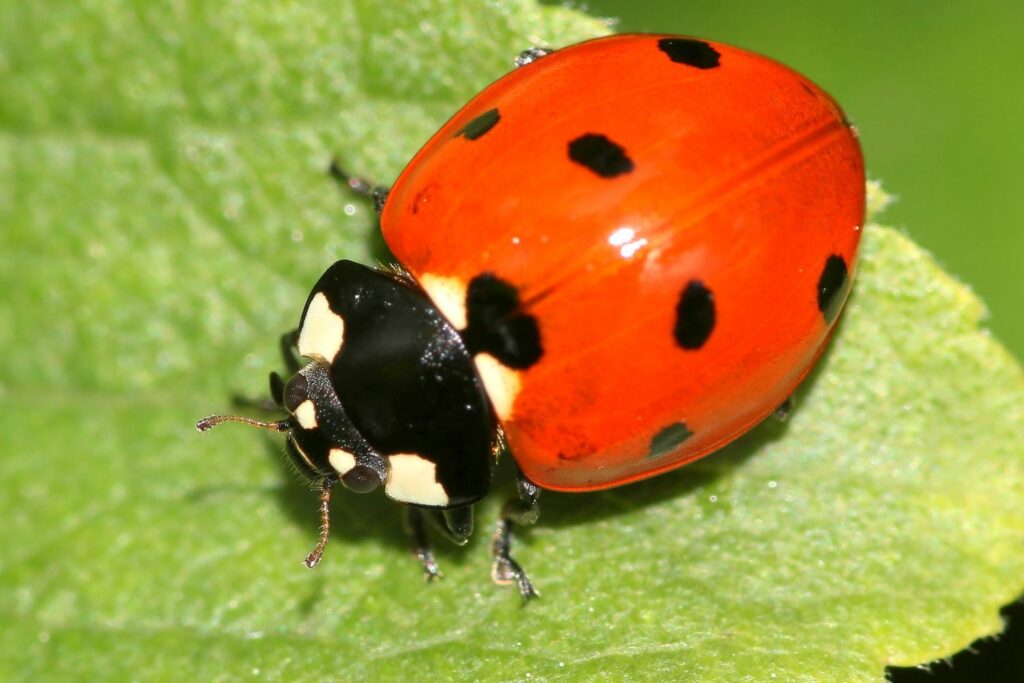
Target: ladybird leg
x=289, y=344
x=313, y=559
x=783, y=411
x=361, y=186
x=289, y=352
x=276, y=390
x=524, y=510
x=532, y=55
x=417, y=528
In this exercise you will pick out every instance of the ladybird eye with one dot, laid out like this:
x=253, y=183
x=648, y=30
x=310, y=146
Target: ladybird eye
x=296, y=391
x=361, y=479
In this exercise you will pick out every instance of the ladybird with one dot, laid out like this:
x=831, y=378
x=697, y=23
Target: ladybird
x=614, y=260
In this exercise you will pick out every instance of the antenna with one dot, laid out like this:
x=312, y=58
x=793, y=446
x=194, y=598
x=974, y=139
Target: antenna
x=212, y=421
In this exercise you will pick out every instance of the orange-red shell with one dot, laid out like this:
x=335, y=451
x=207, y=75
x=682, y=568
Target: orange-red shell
x=746, y=178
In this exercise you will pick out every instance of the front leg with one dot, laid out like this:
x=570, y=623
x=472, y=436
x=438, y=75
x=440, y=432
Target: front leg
x=290, y=355
x=455, y=524
x=524, y=509
x=417, y=529
x=289, y=344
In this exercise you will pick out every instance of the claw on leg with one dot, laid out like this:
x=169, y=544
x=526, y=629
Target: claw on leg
x=431, y=571
x=505, y=570
x=358, y=185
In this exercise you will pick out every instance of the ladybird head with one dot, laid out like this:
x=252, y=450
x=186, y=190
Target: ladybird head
x=322, y=443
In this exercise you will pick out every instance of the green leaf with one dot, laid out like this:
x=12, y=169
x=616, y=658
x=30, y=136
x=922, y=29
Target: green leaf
x=164, y=207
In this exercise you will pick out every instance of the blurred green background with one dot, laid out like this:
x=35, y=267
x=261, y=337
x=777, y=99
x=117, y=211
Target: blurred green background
x=936, y=89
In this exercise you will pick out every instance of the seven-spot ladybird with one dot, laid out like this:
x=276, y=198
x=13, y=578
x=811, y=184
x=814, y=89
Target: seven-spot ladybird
x=614, y=260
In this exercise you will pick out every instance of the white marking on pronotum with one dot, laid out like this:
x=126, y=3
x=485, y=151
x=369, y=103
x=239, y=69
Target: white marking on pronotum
x=341, y=460
x=413, y=479
x=449, y=295
x=305, y=413
x=502, y=383
x=323, y=330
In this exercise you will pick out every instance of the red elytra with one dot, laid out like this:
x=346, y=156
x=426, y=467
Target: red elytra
x=680, y=217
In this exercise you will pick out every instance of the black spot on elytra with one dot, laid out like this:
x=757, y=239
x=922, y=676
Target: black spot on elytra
x=695, y=53
x=496, y=325
x=480, y=125
x=695, y=315
x=832, y=287
x=669, y=439
x=600, y=155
